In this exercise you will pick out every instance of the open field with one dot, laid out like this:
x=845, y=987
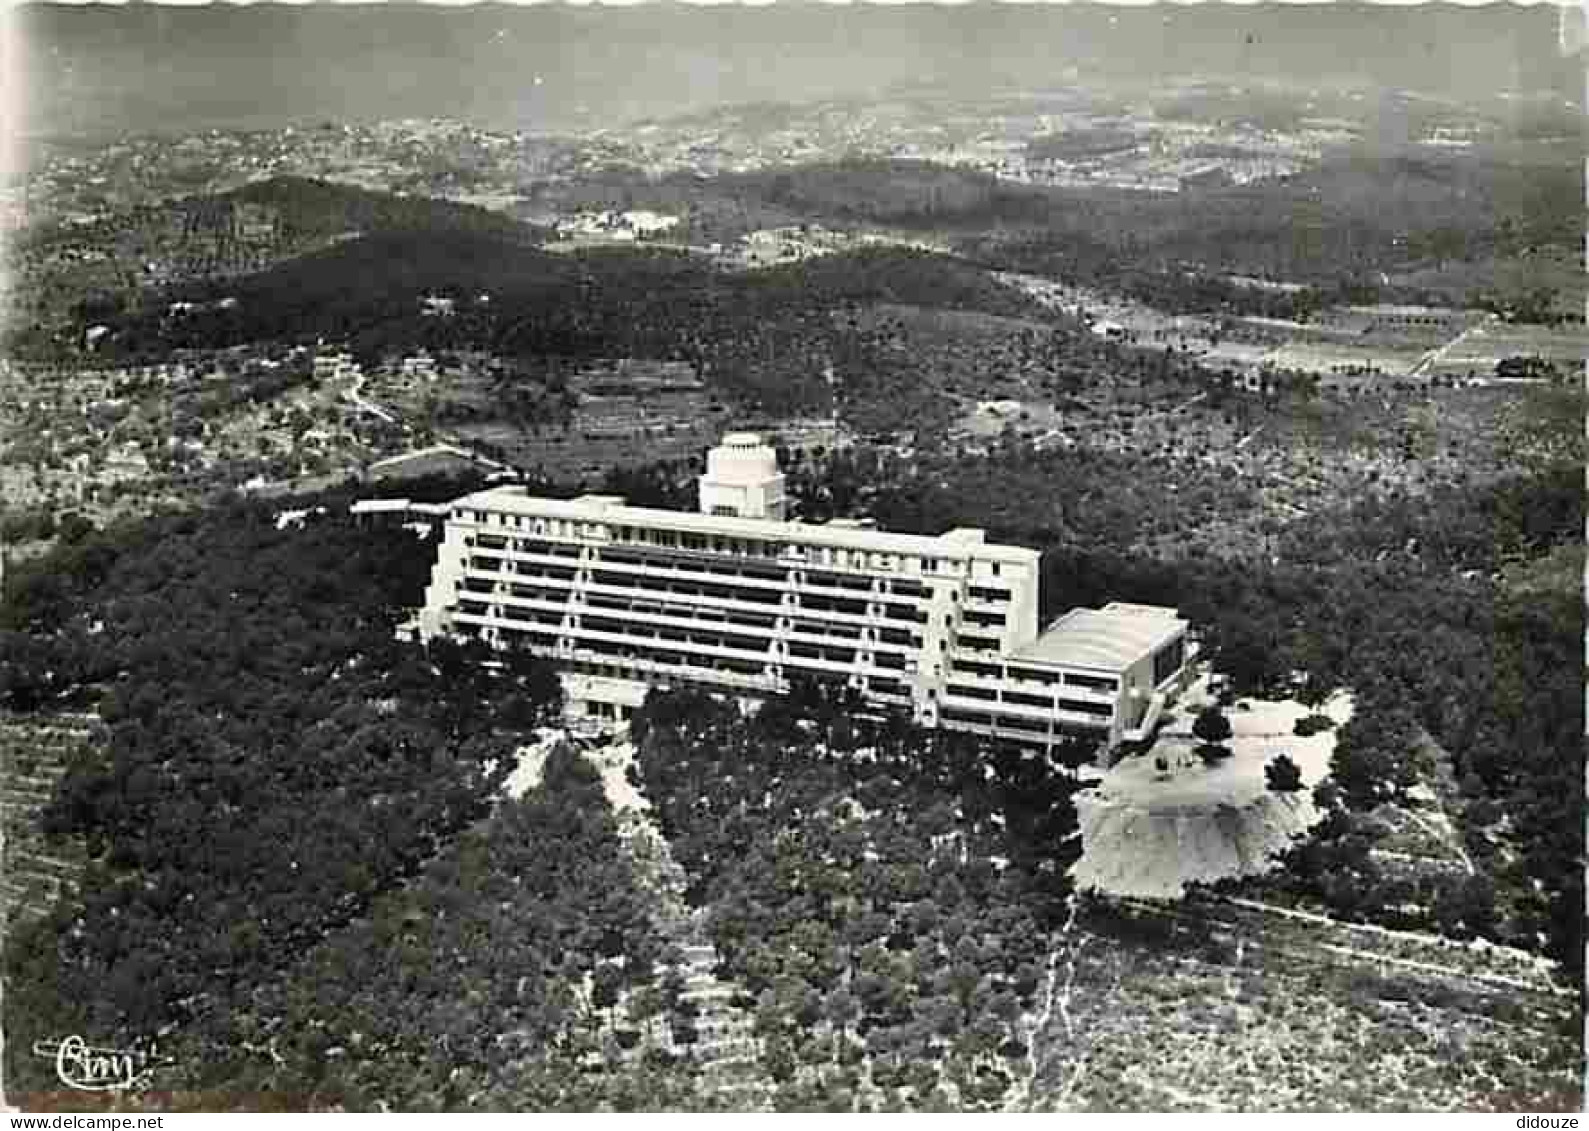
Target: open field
x=1261, y=729
x=1162, y=820
x=1556, y=268
x=1218, y=1006
x=1482, y=347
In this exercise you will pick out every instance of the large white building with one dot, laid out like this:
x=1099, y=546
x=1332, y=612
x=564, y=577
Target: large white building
x=737, y=599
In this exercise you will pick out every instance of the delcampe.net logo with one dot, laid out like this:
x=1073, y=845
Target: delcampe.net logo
x=89, y=1068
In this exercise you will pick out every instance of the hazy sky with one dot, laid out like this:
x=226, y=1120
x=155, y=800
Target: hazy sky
x=178, y=66
x=764, y=3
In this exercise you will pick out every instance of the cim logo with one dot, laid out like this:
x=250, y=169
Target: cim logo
x=87, y=1068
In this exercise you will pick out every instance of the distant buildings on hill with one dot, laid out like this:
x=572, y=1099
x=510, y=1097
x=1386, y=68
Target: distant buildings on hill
x=617, y=226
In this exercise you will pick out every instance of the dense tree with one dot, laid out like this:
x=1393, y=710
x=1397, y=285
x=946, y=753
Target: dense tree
x=1212, y=727
x=1379, y=755
x=276, y=758
x=480, y=957
x=855, y=890
x=1282, y=775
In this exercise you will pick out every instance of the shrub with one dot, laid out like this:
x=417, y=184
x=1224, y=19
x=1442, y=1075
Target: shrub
x=1312, y=724
x=1283, y=775
x=1212, y=726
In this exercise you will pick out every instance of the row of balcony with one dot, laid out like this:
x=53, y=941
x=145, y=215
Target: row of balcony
x=713, y=616
x=797, y=659
x=1055, y=711
x=1098, y=689
x=753, y=598
x=599, y=536
x=562, y=645
x=873, y=590
x=992, y=727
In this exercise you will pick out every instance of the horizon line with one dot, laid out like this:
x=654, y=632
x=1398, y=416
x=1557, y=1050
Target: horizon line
x=1565, y=5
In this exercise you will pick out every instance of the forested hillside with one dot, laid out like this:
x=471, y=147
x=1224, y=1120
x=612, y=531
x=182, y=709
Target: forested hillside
x=293, y=810
x=519, y=972
x=763, y=337
x=1401, y=599
x=882, y=894
x=1336, y=226
x=275, y=758
x=109, y=271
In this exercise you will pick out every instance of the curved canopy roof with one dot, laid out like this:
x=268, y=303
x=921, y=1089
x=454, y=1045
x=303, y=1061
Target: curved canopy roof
x=1111, y=638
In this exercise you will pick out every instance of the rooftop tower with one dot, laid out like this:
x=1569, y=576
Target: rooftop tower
x=742, y=479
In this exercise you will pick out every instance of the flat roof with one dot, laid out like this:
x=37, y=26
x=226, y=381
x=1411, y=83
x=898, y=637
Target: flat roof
x=378, y=506
x=433, y=451
x=1113, y=637
x=956, y=544
x=405, y=506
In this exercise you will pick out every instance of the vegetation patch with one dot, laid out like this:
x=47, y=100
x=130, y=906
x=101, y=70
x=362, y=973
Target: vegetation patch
x=883, y=894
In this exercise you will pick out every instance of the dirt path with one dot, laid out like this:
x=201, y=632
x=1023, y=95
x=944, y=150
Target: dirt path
x=726, y=1049
x=1519, y=959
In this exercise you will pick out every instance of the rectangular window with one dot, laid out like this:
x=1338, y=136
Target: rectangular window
x=1034, y=675
x=1031, y=726
x=1097, y=710
x=987, y=671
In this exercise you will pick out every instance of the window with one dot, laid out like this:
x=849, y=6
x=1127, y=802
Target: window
x=1033, y=675
x=1014, y=722
x=1097, y=710
x=987, y=671
x=969, y=692
x=1168, y=661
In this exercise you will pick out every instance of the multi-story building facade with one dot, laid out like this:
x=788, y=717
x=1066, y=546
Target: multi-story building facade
x=739, y=600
